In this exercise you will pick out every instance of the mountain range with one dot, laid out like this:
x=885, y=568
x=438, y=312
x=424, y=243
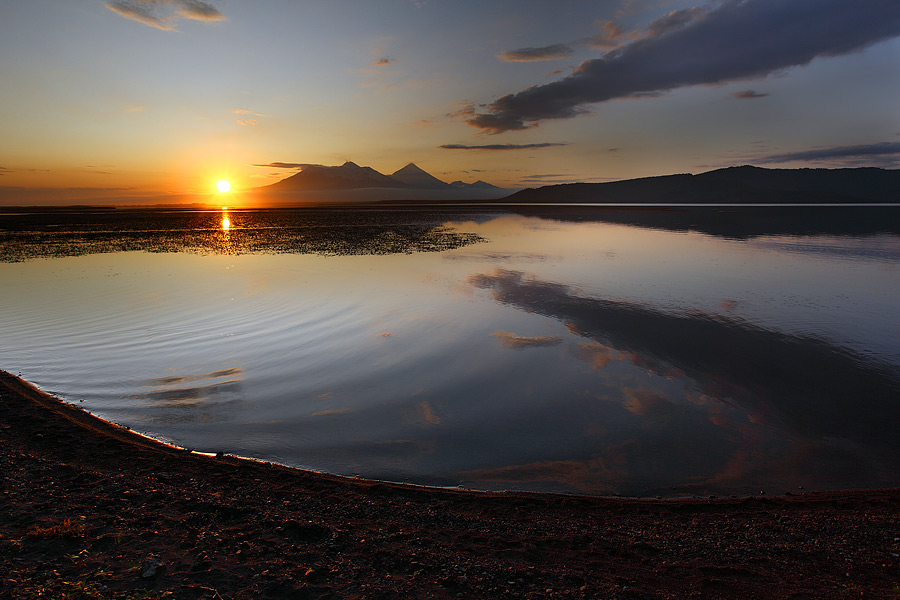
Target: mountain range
x=351, y=182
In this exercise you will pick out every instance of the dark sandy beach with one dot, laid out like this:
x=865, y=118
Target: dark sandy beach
x=90, y=510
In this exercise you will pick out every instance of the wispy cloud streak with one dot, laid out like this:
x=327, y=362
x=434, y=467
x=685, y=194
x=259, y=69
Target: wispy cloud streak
x=286, y=165
x=749, y=95
x=728, y=41
x=535, y=54
x=501, y=146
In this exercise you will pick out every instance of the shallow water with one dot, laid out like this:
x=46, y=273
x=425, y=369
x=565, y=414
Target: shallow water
x=597, y=352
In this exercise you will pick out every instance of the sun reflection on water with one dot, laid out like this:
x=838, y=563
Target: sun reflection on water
x=226, y=222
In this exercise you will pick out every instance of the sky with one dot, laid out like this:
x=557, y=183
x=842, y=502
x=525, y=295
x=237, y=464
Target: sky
x=149, y=100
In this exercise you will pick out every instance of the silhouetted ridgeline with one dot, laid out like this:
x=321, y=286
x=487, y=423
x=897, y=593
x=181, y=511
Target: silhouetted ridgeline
x=351, y=183
x=734, y=185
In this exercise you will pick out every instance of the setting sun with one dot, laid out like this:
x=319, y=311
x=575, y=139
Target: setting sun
x=223, y=186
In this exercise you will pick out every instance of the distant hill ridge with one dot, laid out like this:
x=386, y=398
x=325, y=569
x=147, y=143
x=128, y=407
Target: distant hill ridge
x=732, y=185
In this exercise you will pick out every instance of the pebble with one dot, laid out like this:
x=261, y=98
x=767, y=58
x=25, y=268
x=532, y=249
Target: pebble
x=150, y=567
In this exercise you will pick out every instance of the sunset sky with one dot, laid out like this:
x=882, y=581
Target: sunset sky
x=134, y=100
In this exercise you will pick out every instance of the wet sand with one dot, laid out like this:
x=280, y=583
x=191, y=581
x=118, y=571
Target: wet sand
x=91, y=510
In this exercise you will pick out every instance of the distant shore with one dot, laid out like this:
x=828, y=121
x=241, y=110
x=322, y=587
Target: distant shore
x=91, y=508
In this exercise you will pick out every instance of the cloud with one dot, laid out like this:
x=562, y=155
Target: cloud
x=545, y=176
x=464, y=110
x=535, y=54
x=501, y=146
x=730, y=41
x=164, y=14
x=333, y=411
x=555, y=72
x=749, y=94
x=382, y=62
x=96, y=170
x=287, y=165
x=250, y=121
x=884, y=150
x=520, y=342
x=558, y=178
x=611, y=36
x=672, y=21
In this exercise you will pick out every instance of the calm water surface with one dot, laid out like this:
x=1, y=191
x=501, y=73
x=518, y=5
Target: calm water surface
x=698, y=352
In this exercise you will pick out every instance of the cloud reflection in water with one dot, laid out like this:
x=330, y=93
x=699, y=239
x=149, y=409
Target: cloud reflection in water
x=519, y=342
x=218, y=387
x=790, y=402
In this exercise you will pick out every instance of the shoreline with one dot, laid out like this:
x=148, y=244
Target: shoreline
x=94, y=510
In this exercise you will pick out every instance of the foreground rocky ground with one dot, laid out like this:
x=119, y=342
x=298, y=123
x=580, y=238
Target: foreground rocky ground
x=90, y=510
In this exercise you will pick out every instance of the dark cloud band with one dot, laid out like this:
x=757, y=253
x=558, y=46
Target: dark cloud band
x=730, y=41
x=837, y=152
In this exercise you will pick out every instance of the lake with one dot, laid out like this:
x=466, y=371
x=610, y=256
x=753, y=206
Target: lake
x=639, y=352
